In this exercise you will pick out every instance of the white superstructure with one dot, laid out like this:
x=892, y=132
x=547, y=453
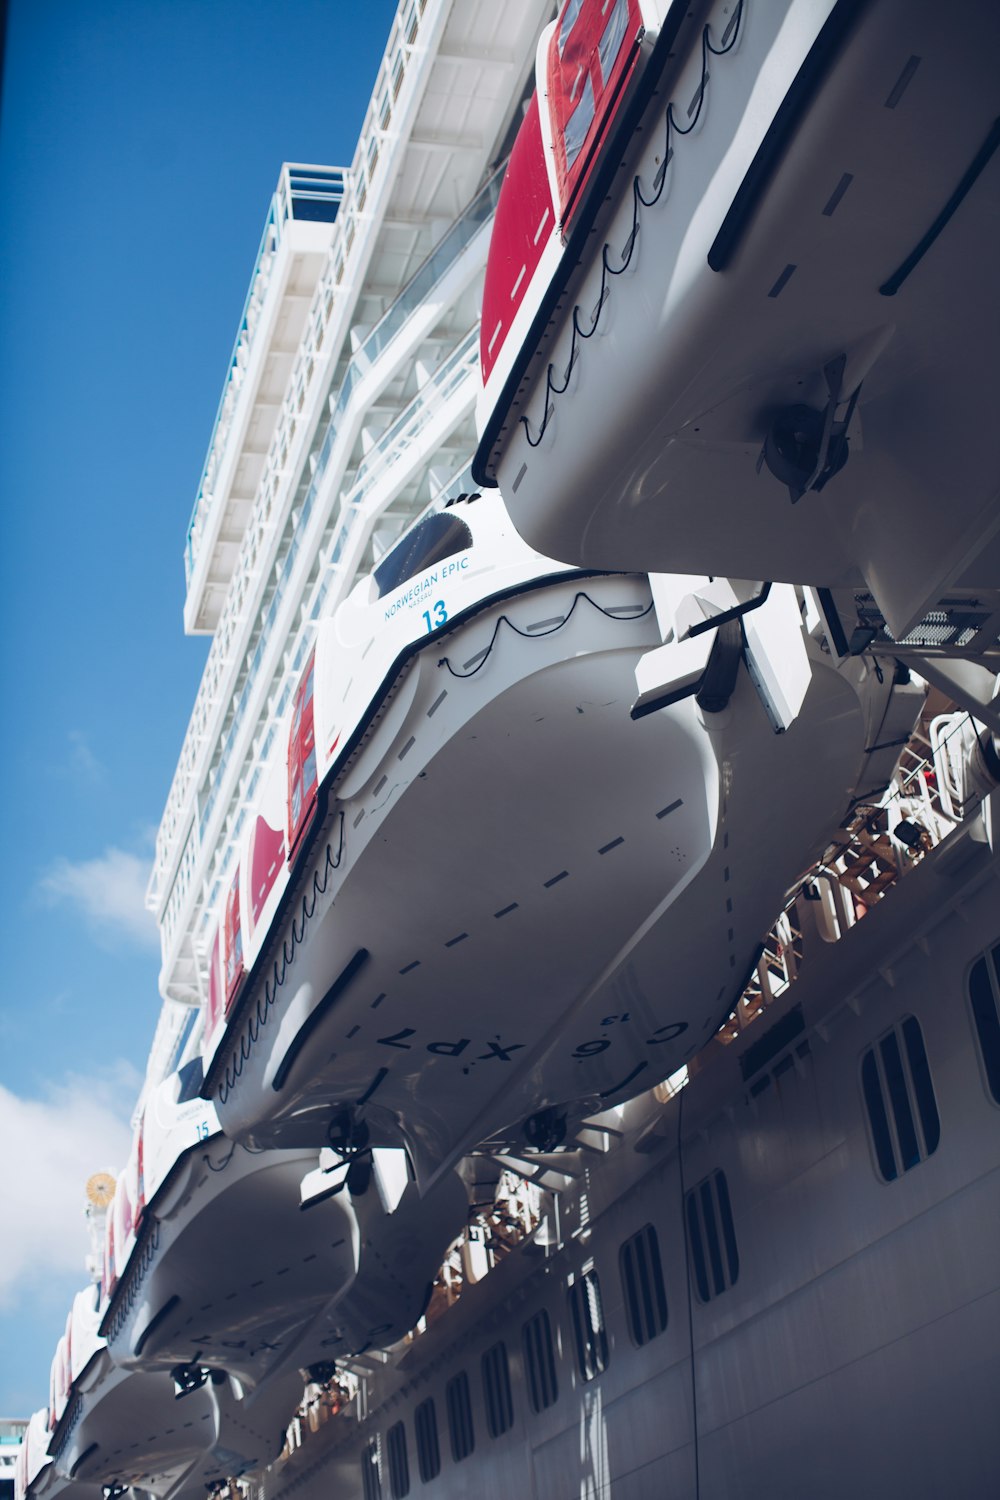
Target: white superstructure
x=348, y=407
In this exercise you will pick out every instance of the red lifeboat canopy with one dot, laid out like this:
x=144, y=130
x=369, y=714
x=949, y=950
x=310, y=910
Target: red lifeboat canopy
x=267, y=857
x=140, y=1172
x=591, y=53
x=233, y=943
x=523, y=225
x=109, y=1279
x=586, y=63
x=303, y=776
x=214, y=1009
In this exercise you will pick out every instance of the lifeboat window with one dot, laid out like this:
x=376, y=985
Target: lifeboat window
x=539, y=1361
x=459, y=1404
x=570, y=13
x=642, y=1283
x=371, y=1477
x=399, y=1462
x=426, y=1430
x=984, y=995
x=579, y=123
x=587, y=69
x=590, y=1331
x=899, y=1100
x=496, y=1389
x=430, y=541
x=612, y=37
x=302, y=766
x=711, y=1237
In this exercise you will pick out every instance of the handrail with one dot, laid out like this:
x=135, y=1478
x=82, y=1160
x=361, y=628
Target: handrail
x=408, y=22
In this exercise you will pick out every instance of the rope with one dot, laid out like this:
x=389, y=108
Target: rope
x=639, y=201
x=533, y=635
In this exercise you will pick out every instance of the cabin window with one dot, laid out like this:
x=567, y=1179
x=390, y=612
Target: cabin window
x=642, y=1283
x=590, y=1332
x=302, y=774
x=711, y=1237
x=371, y=1478
x=496, y=1389
x=399, y=1462
x=539, y=1361
x=459, y=1404
x=429, y=542
x=899, y=1100
x=984, y=996
x=426, y=1430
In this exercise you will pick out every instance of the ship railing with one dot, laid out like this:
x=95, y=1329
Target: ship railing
x=456, y=241
x=882, y=844
x=350, y=238
x=336, y=289
x=303, y=191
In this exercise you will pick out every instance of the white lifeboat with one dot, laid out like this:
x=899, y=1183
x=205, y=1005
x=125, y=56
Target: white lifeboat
x=220, y=1271
x=119, y=1429
x=35, y=1475
x=505, y=910
x=740, y=313
x=237, y=1269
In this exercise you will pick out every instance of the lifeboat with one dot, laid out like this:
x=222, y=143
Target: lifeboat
x=740, y=311
x=120, y=1430
x=117, y=1429
x=505, y=891
x=34, y=1472
x=221, y=1272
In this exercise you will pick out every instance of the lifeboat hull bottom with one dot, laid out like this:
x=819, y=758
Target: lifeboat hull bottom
x=553, y=907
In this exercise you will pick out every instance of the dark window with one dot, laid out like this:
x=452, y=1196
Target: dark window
x=984, y=993
x=711, y=1237
x=371, y=1479
x=496, y=1389
x=456, y=1395
x=399, y=1463
x=426, y=1429
x=899, y=1100
x=642, y=1283
x=539, y=1361
x=429, y=542
x=589, y=1329
x=189, y=1080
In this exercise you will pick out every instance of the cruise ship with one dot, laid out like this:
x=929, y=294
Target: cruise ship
x=578, y=1064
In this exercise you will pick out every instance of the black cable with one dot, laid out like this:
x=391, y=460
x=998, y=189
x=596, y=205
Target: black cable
x=690, y=1307
x=639, y=200
x=533, y=635
x=223, y=1164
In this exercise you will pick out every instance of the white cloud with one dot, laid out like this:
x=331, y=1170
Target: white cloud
x=53, y=1146
x=83, y=761
x=110, y=891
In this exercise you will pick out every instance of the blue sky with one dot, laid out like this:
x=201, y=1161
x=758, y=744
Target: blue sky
x=140, y=141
